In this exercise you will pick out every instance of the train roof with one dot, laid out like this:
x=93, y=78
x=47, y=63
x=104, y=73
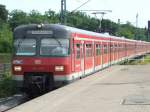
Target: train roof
x=63, y=31
x=59, y=30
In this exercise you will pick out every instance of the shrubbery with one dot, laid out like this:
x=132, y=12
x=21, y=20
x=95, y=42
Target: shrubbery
x=7, y=86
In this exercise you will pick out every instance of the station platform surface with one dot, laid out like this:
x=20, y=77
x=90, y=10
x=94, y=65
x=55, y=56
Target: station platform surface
x=120, y=88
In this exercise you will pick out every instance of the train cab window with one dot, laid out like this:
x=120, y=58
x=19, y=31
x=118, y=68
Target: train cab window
x=77, y=51
x=105, y=49
x=88, y=50
x=98, y=48
x=25, y=47
x=54, y=47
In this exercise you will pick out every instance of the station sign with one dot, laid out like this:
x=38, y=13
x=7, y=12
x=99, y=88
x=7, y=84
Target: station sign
x=40, y=32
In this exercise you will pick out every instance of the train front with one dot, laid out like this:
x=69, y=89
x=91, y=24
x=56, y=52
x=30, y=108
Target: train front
x=41, y=57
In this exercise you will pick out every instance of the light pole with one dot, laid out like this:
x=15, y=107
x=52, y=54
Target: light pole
x=102, y=12
x=136, y=38
x=95, y=12
x=63, y=12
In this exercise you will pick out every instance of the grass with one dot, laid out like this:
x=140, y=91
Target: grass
x=141, y=61
x=146, y=60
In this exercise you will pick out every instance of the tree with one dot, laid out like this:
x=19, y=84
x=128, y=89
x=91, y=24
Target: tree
x=35, y=17
x=51, y=16
x=3, y=13
x=109, y=26
x=17, y=17
x=5, y=39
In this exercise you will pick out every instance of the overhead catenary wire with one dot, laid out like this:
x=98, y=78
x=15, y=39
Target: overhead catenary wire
x=80, y=6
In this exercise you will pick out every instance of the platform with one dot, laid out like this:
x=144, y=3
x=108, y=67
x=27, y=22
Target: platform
x=120, y=88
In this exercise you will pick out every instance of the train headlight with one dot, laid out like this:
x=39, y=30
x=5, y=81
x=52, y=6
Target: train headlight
x=59, y=68
x=17, y=68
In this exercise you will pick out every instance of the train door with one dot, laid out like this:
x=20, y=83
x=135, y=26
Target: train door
x=82, y=58
x=72, y=55
x=113, y=51
x=105, y=54
x=93, y=55
x=117, y=51
x=98, y=55
x=101, y=50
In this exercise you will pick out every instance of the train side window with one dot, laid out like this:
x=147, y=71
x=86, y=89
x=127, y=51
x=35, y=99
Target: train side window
x=119, y=48
x=116, y=48
x=88, y=50
x=111, y=48
x=98, y=48
x=105, y=49
x=77, y=51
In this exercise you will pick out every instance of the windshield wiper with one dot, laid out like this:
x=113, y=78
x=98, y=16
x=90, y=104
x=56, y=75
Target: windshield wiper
x=19, y=43
x=58, y=42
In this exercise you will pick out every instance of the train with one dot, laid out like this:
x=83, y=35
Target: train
x=48, y=56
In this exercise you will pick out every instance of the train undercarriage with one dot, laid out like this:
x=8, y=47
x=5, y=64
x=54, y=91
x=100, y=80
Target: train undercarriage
x=36, y=84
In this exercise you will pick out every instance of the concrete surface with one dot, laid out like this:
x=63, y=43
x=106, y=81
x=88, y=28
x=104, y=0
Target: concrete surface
x=116, y=89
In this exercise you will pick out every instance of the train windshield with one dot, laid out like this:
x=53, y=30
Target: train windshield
x=54, y=47
x=25, y=47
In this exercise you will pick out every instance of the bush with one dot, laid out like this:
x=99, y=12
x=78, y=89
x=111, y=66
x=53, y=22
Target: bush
x=7, y=86
x=5, y=39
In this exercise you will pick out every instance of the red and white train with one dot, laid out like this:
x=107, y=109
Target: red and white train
x=51, y=55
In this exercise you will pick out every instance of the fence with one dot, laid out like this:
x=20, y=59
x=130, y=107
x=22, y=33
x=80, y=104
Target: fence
x=4, y=69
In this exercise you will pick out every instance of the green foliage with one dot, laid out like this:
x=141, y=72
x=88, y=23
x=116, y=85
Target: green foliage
x=141, y=34
x=51, y=17
x=5, y=39
x=109, y=26
x=3, y=13
x=7, y=86
x=35, y=17
x=17, y=17
x=82, y=21
x=139, y=61
x=5, y=57
x=127, y=30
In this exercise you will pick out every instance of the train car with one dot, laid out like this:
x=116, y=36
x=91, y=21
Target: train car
x=52, y=55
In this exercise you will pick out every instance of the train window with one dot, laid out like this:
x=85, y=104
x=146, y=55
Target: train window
x=119, y=48
x=25, y=47
x=98, y=48
x=116, y=48
x=105, y=49
x=112, y=48
x=54, y=47
x=88, y=50
x=77, y=51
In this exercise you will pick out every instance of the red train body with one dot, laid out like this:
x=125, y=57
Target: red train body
x=53, y=55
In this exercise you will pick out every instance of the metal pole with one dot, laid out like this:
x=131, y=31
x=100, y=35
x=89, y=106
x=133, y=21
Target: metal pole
x=65, y=18
x=63, y=12
x=101, y=19
x=136, y=38
x=118, y=27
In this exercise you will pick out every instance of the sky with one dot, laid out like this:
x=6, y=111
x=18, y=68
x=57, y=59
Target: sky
x=125, y=10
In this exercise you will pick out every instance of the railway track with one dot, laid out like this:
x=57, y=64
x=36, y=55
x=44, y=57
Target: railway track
x=11, y=102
